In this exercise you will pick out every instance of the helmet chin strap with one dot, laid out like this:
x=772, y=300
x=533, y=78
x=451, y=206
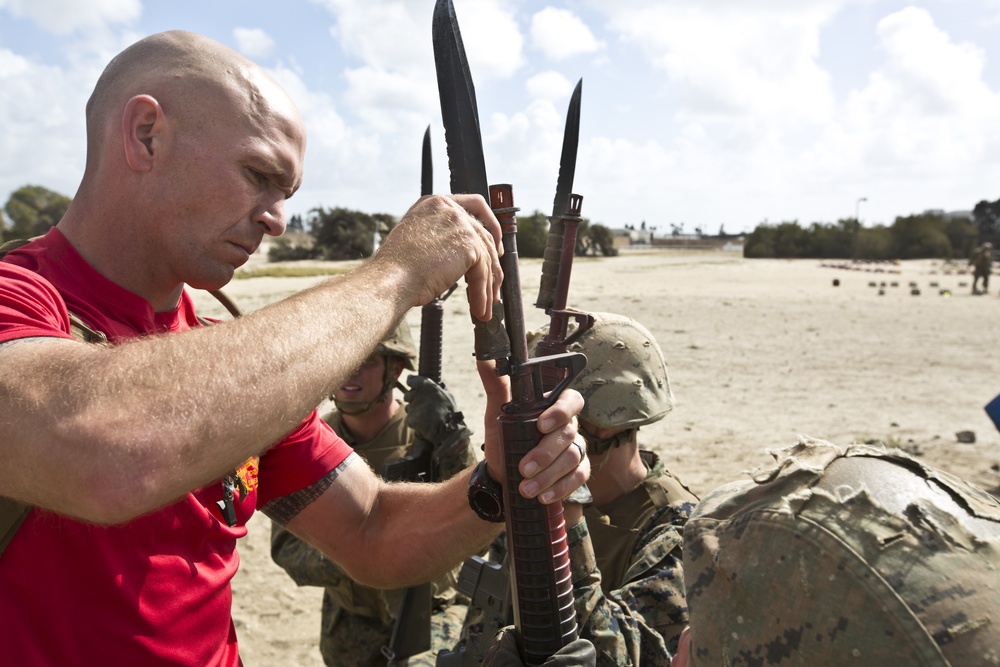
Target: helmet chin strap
x=598, y=446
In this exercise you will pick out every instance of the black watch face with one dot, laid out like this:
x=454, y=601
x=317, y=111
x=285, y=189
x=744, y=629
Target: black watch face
x=487, y=505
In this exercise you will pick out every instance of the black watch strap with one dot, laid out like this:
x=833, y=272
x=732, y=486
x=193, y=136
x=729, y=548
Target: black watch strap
x=486, y=495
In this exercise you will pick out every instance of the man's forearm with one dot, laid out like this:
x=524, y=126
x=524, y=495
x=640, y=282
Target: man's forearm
x=435, y=523
x=96, y=416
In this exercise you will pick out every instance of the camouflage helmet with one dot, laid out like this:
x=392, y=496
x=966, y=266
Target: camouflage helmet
x=855, y=555
x=400, y=344
x=625, y=384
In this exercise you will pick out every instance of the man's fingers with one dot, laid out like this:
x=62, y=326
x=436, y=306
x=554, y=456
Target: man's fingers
x=563, y=411
x=568, y=471
x=555, y=467
x=485, y=275
x=683, y=649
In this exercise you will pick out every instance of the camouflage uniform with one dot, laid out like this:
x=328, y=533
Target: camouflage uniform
x=844, y=556
x=357, y=621
x=627, y=571
x=628, y=582
x=982, y=263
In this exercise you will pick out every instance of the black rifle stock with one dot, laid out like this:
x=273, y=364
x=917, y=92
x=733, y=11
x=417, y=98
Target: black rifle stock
x=486, y=585
x=542, y=591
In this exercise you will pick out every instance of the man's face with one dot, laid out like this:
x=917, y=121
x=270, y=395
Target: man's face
x=228, y=176
x=366, y=383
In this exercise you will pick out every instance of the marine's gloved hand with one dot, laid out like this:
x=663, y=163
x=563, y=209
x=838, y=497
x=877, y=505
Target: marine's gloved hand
x=431, y=412
x=505, y=653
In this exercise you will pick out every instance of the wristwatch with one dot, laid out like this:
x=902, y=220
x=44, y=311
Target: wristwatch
x=486, y=495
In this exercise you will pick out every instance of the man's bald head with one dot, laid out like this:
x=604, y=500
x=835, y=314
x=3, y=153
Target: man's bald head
x=186, y=73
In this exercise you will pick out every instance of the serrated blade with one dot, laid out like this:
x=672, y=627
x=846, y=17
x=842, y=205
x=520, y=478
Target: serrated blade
x=567, y=161
x=459, y=112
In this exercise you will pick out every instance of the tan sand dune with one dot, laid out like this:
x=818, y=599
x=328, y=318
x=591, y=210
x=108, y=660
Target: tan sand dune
x=759, y=352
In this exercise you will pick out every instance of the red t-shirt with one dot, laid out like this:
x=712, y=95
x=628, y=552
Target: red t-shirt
x=155, y=590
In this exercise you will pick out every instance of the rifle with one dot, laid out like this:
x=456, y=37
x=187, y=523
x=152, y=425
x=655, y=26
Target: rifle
x=542, y=594
x=411, y=633
x=485, y=583
x=536, y=533
x=560, y=248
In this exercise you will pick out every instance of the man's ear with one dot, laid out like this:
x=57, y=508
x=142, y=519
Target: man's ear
x=142, y=123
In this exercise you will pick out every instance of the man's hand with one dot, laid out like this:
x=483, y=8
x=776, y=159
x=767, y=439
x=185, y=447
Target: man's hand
x=431, y=412
x=440, y=239
x=683, y=649
x=554, y=468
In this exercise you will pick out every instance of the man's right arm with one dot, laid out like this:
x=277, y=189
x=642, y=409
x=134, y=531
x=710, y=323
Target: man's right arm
x=107, y=434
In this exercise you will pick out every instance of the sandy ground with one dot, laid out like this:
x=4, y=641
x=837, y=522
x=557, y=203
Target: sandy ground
x=759, y=351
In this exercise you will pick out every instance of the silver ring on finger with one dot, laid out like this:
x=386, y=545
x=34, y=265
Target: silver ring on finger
x=583, y=450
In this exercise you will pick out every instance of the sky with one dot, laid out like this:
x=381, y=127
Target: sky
x=713, y=115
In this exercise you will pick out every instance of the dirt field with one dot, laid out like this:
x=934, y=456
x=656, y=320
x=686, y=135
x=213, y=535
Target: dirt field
x=759, y=351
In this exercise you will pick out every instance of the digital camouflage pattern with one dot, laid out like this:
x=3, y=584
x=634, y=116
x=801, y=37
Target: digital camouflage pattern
x=357, y=621
x=628, y=581
x=628, y=576
x=982, y=264
x=857, y=555
x=625, y=383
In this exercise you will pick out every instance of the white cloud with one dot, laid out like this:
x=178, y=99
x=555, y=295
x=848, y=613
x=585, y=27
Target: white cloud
x=387, y=100
x=560, y=34
x=382, y=33
x=253, y=42
x=42, y=143
x=549, y=85
x=743, y=59
x=62, y=17
x=396, y=34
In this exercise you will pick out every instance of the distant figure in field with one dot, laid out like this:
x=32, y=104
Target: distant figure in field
x=982, y=263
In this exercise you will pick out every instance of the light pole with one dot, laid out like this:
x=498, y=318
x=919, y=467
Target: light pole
x=857, y=227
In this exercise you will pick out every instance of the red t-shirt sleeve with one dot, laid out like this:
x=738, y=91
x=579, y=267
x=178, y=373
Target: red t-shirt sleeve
x=301, y=459
x=29, y=305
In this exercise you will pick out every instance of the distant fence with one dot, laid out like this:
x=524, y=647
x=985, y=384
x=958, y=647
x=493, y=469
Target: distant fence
x=697, y=243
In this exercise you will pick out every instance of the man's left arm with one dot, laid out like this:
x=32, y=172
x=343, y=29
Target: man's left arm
x=393, y=535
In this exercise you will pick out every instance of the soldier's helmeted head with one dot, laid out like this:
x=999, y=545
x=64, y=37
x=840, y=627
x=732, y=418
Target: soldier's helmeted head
x=398, y=345
x=625, y=383
x=855, y=555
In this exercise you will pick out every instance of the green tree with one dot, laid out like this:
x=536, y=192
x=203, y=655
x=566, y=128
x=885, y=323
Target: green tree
x=295, y=224
x=760, y=242
x=596, y=238
x=920, y=236
x=532, y=233
x=962, y=235
x=342, y=233
x=874, y=243
x=284, y=249
x=784, y=239
x=33, y=210
x=986, y=217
